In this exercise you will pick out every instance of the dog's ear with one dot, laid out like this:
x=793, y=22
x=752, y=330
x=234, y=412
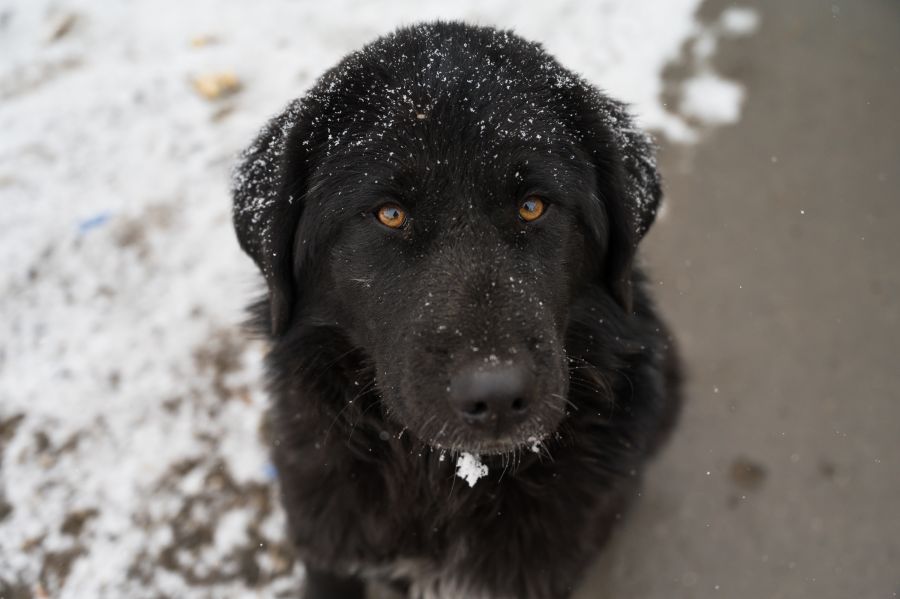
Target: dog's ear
x=628, y=187
x=269, y=184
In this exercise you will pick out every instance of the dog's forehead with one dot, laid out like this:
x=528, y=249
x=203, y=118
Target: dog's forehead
x=437, y=89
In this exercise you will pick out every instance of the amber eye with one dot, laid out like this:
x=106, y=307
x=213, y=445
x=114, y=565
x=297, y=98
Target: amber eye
x=391, y=215
x=532, y=208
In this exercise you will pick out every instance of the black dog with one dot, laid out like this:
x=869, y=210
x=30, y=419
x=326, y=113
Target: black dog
x=447, y=224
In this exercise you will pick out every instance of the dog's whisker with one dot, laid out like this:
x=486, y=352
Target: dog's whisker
x=349, y=404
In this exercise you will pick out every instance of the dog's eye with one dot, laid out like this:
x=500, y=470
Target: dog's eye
x=391, y=215
x=532, y=209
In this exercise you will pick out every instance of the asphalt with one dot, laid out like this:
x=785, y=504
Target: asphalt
x=777, y=265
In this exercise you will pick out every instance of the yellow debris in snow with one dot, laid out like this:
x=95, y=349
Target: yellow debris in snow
x=213, y=86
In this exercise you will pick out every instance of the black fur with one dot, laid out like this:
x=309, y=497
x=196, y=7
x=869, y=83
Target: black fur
x=369, y=325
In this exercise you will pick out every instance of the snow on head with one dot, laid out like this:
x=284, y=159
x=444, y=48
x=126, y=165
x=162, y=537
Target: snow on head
x=470, y=469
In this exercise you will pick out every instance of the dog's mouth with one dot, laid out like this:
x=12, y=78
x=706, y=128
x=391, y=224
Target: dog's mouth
x=447, y=429
x=498, y=447
x=529, y=437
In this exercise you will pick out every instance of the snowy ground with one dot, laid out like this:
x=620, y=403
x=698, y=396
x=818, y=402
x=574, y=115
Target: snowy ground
x=131, y=460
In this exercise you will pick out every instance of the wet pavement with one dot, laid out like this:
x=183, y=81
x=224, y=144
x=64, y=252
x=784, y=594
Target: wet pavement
x=777, y=265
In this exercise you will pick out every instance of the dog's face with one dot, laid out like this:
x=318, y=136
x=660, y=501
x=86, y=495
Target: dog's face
x=442, y=198
x=451, y=262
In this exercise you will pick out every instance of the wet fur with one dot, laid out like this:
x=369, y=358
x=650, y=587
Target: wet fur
x=367, y=470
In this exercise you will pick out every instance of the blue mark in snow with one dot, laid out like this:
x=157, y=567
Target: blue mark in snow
x=93, y=222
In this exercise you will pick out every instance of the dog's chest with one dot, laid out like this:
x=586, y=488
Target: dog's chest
x=427, y=579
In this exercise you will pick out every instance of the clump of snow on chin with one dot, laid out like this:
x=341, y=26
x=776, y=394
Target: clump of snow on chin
x=470, y=469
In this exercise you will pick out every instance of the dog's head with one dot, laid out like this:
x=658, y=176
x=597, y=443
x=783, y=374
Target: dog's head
x=442, y=197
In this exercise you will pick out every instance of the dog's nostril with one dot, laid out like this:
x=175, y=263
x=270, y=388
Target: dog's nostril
x=497, y=396
x=477, y=409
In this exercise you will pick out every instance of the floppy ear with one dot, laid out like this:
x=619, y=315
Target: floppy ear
x=268, y=186
x=628, y=185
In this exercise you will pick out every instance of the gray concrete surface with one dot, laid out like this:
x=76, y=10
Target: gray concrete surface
x=777, y=264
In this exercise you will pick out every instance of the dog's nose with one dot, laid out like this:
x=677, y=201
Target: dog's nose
x=494, y=398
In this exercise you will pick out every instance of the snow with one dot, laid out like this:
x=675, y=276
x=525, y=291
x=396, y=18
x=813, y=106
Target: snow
x=737, y=21
x=707, y=97
x=712, y=98
x=131, y=462
x=470, y=469
x=231, y=531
